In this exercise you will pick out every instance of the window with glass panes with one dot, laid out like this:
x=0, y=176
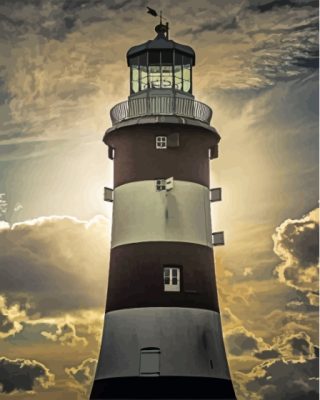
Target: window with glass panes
x=160, y=184
x=161, y=142
x=161, y=69
x=171, y=279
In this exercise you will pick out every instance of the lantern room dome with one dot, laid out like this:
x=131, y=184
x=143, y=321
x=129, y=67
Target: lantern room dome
x=161, y=64
x=160, y=42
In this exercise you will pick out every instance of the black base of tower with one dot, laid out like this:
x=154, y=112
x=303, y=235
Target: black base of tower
x=163, y=388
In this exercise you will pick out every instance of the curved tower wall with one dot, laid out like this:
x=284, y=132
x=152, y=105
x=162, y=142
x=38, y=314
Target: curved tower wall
x=162, y=324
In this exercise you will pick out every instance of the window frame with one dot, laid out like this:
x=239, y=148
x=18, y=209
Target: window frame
x=168, y=273
x=185, y=63
x=161, y=140
x=161, y=185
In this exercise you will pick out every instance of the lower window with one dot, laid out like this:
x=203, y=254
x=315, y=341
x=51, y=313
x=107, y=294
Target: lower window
x=171, y=279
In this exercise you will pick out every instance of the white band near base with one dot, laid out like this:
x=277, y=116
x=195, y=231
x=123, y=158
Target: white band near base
x=163, y=341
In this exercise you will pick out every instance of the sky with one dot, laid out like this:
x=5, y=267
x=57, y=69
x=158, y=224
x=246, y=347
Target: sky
x=62, y=67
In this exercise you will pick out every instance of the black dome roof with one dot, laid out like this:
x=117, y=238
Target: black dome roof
x=160, y=42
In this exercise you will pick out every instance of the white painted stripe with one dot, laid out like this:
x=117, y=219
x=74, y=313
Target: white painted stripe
x=142, y=214
x=189, y=342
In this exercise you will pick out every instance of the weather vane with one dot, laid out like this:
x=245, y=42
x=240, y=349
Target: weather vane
x=154, y=13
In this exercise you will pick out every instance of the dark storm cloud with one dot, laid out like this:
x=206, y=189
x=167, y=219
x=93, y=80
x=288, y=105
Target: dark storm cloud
x=301, y=306
x=223, y=24
x=267, y=354
x=5, y=324
x=55, y=19
x=310, y=60
x=265, y=5
x=11, y=318
x=239, y=341
x=295, y=346
x=72, y=5
x=23, y=375
x=50, y=261
x=288, y=370
x=83, y=373
x=286, y=380
x=18, y=19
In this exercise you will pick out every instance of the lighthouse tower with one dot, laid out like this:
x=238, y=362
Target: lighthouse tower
x=162, y=333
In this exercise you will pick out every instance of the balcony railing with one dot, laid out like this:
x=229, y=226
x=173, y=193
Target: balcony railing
x=161, y=105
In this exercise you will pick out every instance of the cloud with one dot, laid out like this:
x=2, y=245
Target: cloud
x=265, y=5
x=240, y=341
x=83, y=373
x=23, y=375
x=10, y=319
x=267, y=354
x=286, y=369
x=219, y=24
x=295, y=347
x=18, y=206
x=285, y=380
x=313, y=299
x=247, y=271
x=228, y=317
x=302, y=306
x=55, y=262
x=66, y=335
x=296, y=243
x=56, y=84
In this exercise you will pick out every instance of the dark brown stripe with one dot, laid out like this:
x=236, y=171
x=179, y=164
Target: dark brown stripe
x=164, y=387
x=137, y=159
x=136, y=276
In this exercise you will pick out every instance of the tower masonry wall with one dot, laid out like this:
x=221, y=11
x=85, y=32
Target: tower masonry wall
x=141, y=213
x=136, y=276
x=180, y=342
x=137, y=159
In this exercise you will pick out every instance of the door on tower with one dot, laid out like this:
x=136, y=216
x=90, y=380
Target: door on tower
x=150, y=361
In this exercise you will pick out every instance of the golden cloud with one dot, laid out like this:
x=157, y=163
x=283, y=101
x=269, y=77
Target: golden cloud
x=296, y=242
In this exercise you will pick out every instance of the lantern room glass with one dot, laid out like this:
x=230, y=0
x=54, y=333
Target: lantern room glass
x=161, y=69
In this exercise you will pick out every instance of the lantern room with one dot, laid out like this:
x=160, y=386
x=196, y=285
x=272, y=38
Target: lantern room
x=161, y=64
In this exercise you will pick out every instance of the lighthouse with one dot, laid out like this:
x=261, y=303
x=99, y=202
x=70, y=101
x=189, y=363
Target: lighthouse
x=162, y=334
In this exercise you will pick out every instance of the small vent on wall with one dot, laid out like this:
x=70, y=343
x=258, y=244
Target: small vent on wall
x=108, y=194
x=173, y=139
x=215, y=194
x=218, y=238
x=213, y=152
x=111, y=152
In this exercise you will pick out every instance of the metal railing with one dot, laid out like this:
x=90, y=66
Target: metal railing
x=161, y=105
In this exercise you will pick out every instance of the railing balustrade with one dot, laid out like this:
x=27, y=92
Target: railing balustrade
x=161, y=105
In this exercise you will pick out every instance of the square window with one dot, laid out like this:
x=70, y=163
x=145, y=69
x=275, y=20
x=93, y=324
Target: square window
x=171, y=279
x=160, y=184
x=161, y=142
x=164, y=184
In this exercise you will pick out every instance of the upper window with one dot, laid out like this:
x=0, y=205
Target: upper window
x=171, y=279
x=161, y=142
